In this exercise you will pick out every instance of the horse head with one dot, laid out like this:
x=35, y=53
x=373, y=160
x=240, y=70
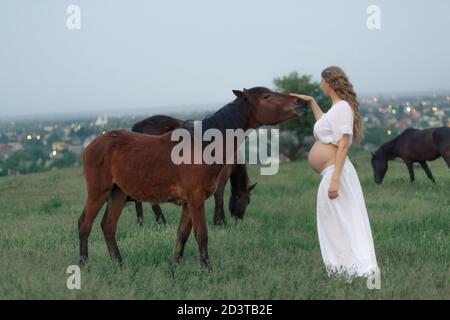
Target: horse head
x=380, y=165
x=270, y=108
x=239, y=200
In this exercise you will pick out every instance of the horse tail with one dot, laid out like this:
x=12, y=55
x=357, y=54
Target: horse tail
x=441, y=139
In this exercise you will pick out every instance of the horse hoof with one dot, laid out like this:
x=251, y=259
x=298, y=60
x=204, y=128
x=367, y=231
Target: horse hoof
x=139, y=222
x=172, y=270
x=83, y=261
x=119, y=263
x=173, y=265
x=220, y=222
x=206, y=264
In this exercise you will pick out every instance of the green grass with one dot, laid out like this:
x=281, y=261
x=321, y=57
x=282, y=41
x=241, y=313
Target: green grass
x=273, y=254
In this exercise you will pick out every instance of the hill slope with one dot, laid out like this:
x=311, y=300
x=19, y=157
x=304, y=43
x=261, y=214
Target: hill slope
x=274, y=253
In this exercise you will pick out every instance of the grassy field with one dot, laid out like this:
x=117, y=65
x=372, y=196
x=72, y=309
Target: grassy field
x=273, y=254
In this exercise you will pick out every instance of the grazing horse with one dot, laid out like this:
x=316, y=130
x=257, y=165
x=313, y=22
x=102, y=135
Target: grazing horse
x=413, y=145
x=120, y=163
x=237, y=173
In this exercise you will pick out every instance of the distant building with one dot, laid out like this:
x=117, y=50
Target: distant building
x=59, y=146
x=15, y=146
x=435, y=123
x=101, y=121
x=371, y=121
x=77, y=149
x=4, y=150
x=66, y=132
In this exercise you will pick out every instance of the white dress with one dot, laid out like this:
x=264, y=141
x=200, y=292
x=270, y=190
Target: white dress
x=343, y=225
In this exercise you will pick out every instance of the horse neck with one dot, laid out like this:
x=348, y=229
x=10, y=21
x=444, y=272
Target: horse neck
x=232, y=116
x=388, y=149
x=239, y=179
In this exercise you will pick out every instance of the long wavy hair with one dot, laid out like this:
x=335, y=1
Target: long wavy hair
x=338, y=80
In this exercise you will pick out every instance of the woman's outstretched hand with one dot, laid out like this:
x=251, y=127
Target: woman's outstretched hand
x=311, y=102
x=308, y=99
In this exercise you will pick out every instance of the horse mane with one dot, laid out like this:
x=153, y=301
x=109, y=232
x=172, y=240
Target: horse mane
x=231, y=116
x=234, y=115
x=385, y=150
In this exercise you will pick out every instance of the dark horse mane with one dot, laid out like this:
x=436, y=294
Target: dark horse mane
x=386, y=149
x=233, y=115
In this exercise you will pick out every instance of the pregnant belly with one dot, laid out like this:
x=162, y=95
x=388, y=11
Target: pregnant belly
x=321, y=156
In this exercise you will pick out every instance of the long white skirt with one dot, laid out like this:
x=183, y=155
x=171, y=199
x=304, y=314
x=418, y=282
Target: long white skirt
x=344, y=231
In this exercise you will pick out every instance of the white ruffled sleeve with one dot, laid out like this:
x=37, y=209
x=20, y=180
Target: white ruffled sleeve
x=342, y=121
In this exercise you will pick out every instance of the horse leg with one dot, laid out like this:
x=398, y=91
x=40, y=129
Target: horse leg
x=159, y=216
x=197, y=211
x=219, y=213
x=139, y=212
x=116, y=202
x=409, y=164
x=93, y=205
x=427, y=170
x=184, y=230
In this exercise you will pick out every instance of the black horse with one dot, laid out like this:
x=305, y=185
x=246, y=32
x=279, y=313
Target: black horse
x=413, y=145
x=237, y=173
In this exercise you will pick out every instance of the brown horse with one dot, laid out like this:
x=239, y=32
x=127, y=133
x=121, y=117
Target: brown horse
x=413, y=145
x=120, y=163
x=237, y=173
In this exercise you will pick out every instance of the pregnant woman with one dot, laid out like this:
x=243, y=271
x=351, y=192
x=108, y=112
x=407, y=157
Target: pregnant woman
x=343, y=225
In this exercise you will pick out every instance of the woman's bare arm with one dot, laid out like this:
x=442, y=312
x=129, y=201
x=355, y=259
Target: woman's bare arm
x=341, y=154
x=316, y=109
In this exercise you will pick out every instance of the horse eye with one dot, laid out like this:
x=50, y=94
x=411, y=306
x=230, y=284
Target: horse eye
x=267, y=97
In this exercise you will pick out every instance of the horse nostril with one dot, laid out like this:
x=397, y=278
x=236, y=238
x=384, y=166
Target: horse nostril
x=301, y=105
x=301, y=102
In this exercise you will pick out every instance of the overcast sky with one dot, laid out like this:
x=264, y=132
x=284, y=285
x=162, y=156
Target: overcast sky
x=152, y=54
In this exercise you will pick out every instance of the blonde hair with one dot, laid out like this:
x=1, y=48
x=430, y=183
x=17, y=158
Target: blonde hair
x=338, y=80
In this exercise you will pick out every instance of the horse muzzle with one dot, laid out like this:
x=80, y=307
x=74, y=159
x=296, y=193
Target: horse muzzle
x=301, y=106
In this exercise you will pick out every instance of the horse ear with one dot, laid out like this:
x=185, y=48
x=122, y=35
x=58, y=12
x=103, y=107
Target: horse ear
x=250, y=189
x=240, y=94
